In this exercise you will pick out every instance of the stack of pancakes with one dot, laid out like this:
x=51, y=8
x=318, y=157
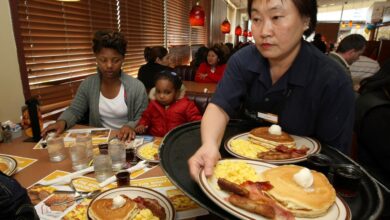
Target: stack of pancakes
x=262, y=137
x=302, y=202
x=102, y=209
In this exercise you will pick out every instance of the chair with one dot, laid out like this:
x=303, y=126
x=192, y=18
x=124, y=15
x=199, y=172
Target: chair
x=186, y=72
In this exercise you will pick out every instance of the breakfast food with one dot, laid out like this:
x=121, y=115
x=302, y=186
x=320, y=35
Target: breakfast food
x=123, y=207
x=149, y=152
x=39, y=193
x=246, y=148
x=3, y=167
x=306, y=193
x=180, y=201
x=235, y=171
x=103, y=209
x=282, y=152
x=270, y=137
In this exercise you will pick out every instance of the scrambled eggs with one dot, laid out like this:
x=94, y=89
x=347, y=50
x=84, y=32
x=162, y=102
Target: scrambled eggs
x=145, y=214
x=148, y=151
x=246, y=148
x=234, y=171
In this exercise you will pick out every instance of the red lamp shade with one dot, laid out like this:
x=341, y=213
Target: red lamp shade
x=350, y=23
x=249, y=33
x=225, y=26
x=245, y=34
x=238, y=30
x=197, y=15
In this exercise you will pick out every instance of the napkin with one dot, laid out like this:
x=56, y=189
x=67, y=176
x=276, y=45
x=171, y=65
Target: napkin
x=140, y=165
x=67, y=178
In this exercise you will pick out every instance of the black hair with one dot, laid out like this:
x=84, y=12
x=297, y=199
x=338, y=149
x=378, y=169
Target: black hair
x=171, y=76
x=306, y=8
x=152, y=53
x=109, y=39
x=351, y=42
x=379, y=80
x=219, y=53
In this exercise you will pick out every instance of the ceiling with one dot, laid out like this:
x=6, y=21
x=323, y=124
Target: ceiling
x=321, y=3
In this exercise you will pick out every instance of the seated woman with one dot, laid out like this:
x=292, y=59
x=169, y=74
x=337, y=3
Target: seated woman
x=157, y=61
x=114, y=99
x=168, y=108
x=211, y=71
x=372, y=124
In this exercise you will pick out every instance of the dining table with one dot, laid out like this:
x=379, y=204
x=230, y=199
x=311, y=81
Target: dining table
x=41, y=166
x=196, y=88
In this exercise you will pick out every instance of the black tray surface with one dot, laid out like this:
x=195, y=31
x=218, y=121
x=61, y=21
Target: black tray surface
x=182, y=142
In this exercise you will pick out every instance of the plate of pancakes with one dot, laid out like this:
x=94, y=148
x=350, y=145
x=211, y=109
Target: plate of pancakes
x=8, y=165
x=138, y=203
x=258, y=144
x=251, y=189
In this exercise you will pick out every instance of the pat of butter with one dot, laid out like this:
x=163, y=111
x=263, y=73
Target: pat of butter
x=117, y=202
x=275, y=130
x=304, y=178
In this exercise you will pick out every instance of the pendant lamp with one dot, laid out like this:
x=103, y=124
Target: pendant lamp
x=238, y=30
x=350, y=23
x=225, y=26
x=249, y=33
x=197, y=15
x=245, y=34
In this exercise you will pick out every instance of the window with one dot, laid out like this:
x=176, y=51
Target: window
x=54, y=40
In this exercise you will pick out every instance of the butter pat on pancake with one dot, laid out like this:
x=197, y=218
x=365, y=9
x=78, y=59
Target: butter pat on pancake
x=302, y=202
x=263, y=137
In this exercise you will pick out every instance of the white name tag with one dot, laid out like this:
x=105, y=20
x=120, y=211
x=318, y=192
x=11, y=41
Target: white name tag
x=268, y=117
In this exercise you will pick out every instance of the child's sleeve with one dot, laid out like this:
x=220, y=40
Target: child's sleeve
x=192, y=112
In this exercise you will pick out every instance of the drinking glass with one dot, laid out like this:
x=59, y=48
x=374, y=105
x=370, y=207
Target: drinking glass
x=56, y=148
x=102, y=166
x=123, y=178
x=86, y=139
x=118, y=155
x=78, y=155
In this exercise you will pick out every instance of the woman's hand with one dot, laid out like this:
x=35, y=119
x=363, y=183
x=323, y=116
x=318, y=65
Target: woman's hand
x=58, y=127
x=203, y=75
x=141, y=129
x=126, y=133
x=205, y=157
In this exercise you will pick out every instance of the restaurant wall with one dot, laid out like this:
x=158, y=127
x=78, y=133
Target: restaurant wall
x=11, y=92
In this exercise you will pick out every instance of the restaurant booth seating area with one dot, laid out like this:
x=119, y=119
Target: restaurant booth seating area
x=186, y=72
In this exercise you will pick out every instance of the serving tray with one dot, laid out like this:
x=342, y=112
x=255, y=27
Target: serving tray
x=182, y=142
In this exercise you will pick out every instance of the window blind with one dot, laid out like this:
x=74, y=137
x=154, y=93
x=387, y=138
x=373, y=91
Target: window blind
x=56, y=38
x=178, y=25
x=142, y=22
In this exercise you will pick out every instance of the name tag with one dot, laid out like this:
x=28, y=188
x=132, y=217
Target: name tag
x=268, y=117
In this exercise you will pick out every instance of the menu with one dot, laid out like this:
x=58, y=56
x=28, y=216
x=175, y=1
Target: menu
x=58, y=202
x=22, y=162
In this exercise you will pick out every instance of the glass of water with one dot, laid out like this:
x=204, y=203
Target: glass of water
x=56, y=148
x=117, y=153
x=103, y=167
x=79, y=157
x=86, y=139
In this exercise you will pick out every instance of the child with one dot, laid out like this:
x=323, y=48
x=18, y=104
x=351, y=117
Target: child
x=168, y=107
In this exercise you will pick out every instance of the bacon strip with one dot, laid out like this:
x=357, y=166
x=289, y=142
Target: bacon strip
x=252, y=206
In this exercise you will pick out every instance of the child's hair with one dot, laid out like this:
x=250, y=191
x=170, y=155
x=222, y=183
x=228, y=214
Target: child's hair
x=171, y=76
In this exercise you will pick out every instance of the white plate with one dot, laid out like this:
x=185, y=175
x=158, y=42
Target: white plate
x=11, y=164
x=313, y=145
x=338, y=211
x=144, y=158
x=135, y=191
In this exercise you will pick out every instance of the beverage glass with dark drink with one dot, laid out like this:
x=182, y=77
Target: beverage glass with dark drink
x=319, y=162
x=123, y=178
x=347, y=179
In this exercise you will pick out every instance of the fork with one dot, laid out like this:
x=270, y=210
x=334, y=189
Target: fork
x=89, y=195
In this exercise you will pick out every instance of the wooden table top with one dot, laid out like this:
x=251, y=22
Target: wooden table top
x=195, y=87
